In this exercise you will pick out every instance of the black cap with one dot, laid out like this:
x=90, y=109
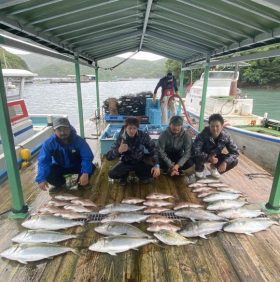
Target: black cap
x=61, y=122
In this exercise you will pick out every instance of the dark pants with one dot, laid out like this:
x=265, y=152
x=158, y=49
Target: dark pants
x=56, y=176
x=199, y=163
x=121, y=170
x=189, y=163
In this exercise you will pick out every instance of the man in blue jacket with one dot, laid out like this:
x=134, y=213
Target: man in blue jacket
x=63, y=153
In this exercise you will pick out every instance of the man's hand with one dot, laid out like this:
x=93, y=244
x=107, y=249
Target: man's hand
x=83, y=179
x=43, y=185
x=213, y=159
x=154, y=98
x=175, y=170
x=222, y=167
x=155, y=171
x=123, y=148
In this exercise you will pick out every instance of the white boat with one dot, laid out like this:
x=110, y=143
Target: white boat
x=223, y=97
x=29, y=131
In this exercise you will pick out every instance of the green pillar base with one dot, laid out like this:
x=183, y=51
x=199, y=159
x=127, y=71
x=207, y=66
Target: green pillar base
x=18, y=215
x=266, y=207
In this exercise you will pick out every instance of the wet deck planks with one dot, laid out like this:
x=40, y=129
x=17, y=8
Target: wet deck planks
x=224, y=257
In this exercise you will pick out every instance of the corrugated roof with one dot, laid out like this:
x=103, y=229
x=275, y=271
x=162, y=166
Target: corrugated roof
x=186, y=30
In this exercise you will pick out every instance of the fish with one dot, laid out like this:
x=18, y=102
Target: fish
x=156, y=210
x=240, y=213
x=120, y=208
x=25, y=253
x=157, y=203
x=208, y=181
x=50, y=209
x=83, y=202
x=125, y=217
x=204, y=194
x=196, y=185
x=79, y=208
x=57, y=203
x=117, y=244
x=229, y=189
x=202, y=189
x=225, y=204
x=158, y=196
x=158, y=219
x=132, y=200
x=197, y=214
x=248, y=225
x=187, y=205
x=220, y=196
x=41, y=236
x=172, y=238
x=118, y=228
x=72, y=215
x=155, y=227
x=50, y=222
x=217, y=185
x=66, y=197
x=202, y=228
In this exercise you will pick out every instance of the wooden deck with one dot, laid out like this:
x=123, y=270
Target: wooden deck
x=223, y=257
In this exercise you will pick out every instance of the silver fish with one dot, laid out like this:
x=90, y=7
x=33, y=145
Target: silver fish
x=158, y=218
x=125, y=217
x=220, y=196
x=225, y=204
x=57, y=203
x=196, y=185
x=41, y=236
x=120, y=208
x=187, y=205
x=229, y=189
x=50, y=209
x=83, y=202
x=217, y=185
x=156, y=210
x=240, y=213
x=202, y=228
x=78, y=208
x=202, y=189
x=158, y=196
x=197, y=214
x=66, y=197
x=204, y=194
x=249, y=225
x=117, y=244
x=49, y=222
x=118, y=228
x=71, y=215
x=172, y=238
x=157, y=203
x=24, y=253
x=155, y=227
x=132, y=200
x=208, y=181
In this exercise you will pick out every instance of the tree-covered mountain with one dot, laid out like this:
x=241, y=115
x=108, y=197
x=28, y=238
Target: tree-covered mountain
x=11, y=61
x=50, y=67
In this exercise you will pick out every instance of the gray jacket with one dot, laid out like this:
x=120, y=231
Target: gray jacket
x=174, y=148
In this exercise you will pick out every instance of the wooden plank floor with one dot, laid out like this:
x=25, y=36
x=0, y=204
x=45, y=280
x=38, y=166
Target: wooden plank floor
x=223, y=257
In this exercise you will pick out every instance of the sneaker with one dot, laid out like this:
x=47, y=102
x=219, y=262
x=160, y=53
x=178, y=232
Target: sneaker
x=199, y=174
x=190, y=179
x=145, y=180
x=123, y=182
x=214, y=172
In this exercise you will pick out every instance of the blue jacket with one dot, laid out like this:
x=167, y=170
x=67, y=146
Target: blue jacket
x=76, y=154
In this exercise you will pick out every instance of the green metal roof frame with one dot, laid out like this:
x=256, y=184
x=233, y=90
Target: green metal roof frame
x=185, y=30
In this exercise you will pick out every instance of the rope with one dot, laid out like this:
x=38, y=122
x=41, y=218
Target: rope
x=184, y=110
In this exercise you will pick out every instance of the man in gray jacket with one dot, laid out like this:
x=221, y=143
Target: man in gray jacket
x=174, y=146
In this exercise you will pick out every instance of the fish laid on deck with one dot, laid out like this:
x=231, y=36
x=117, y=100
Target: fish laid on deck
x=41, y=236
x=157, y=203
x=124, y=217
x=186, y=205
x=133, y=200
x=158, y=218
x=158, y=226
x=197, y=214
x=120, y=208
x=158, y=196
x=240, y=213
x=221, y=196
x=172, y=238
x=225, y=204
x=24, y=253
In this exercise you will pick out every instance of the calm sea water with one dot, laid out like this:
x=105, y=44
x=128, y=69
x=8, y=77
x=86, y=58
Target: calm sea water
x=61, y=98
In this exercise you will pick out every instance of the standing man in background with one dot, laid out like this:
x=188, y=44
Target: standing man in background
x=168, y=90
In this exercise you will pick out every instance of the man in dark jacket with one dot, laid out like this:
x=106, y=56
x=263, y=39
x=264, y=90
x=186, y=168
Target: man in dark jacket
x=130, y=147
x=208, y=147
x=174, y=146
x=63, y=153
x=168, y=90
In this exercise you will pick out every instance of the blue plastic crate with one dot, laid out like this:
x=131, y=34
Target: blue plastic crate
x=155, y=116
x=151, y=105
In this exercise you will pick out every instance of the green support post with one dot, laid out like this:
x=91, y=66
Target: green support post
x=19, y=209
x=79, y=96
x=273, y=205
x=203, y=98
x=97, y=90
x=181, y=89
